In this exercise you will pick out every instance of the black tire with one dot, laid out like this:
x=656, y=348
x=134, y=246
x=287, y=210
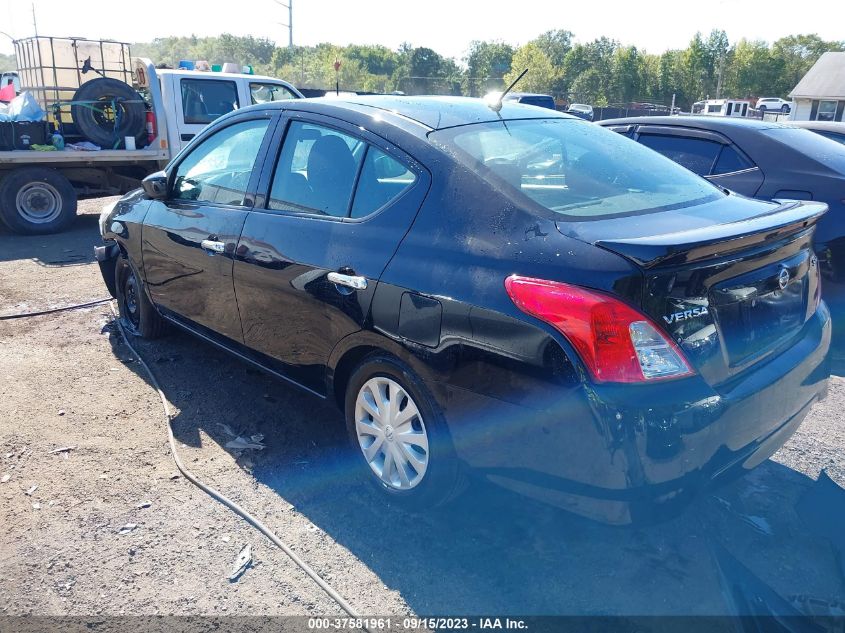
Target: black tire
x=784, y=108
x=137, y=314
x=97, y=126
x=36, y=201
x=443, y=478
x=762, y=109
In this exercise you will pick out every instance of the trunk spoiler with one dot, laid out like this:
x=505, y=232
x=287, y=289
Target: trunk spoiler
x=715, y=240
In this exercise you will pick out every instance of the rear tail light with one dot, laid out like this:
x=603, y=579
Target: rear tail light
x=616, y=342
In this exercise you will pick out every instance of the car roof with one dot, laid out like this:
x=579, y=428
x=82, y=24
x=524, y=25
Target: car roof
x=430, y=112
x=828, y=126
x=698, y=122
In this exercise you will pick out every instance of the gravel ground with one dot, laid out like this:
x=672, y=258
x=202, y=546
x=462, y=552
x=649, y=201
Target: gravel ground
x=68, y=381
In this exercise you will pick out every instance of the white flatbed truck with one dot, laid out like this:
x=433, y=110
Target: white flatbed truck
x=39, y=189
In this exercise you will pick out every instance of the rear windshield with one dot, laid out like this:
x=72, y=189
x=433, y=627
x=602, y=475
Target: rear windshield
x=824, y=150
x=575, y=168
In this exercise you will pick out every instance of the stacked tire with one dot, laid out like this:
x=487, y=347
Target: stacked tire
x=95, y=124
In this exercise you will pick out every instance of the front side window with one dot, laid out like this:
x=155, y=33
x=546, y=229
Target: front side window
x=316, y=170
x=218, y=170
x=203, y=100
x=266, y=93
x=695, y=154
x=826, y=111
x=573, y=168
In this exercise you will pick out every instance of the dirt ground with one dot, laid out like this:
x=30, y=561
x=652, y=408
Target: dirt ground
x=66, y=547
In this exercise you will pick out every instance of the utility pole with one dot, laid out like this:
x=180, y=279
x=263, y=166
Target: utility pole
x=289, y=6
x=719, y=81
x=34, y=23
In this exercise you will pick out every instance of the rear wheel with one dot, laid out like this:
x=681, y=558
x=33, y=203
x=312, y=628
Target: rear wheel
x=398, y=431
x=35, y=201
x=784, y=108
x=135, y=311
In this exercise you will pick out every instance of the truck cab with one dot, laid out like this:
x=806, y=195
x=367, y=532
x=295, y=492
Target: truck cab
x=192, y=99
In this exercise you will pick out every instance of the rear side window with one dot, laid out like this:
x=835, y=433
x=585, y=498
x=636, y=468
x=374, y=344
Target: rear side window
x=218, y=170
x=383, y=179
x=204, y=100
x=730, y=160
x=316, y=170
x=696, y=154
x=266, y=93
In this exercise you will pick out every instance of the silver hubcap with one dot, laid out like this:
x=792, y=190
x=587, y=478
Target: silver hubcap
x=38, y=202
x=391, y=433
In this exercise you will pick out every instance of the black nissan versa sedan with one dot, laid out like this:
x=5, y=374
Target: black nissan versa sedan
x=512, y=290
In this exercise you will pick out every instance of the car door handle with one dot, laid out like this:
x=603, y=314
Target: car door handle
x=213, y=246
x=350, y=281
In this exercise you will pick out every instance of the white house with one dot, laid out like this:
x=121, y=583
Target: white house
x=820, y=95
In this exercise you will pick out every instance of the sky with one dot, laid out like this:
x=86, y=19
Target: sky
x=447, y=26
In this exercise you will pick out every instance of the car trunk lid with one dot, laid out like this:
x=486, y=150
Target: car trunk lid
x=731, y=286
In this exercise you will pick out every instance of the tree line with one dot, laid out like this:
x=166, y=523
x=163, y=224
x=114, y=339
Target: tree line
x=600, y=72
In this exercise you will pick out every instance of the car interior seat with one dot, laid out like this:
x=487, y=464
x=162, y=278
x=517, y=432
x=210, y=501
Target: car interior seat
x=331, y=172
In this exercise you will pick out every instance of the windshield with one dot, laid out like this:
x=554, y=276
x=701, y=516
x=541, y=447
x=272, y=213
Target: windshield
x=824, y=150
x=574, y=168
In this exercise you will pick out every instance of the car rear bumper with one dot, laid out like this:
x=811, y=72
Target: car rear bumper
x=617, y=453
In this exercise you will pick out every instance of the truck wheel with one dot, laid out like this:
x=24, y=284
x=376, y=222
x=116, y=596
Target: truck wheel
x=35, y=200
x=97, y=123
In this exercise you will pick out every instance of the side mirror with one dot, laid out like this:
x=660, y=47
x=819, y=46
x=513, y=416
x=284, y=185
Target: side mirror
x=155, y=185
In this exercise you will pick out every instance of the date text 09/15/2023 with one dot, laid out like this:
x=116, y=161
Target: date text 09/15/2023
x=417, y=623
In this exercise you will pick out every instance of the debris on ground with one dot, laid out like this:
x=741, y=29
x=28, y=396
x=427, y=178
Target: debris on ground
x=126, y=529
x=63, y=449
x=36, y=506
x=144, y=504
x=242, y=563
x=760, y=524
x=5, y=478
x=32, y=489
x=241, y=443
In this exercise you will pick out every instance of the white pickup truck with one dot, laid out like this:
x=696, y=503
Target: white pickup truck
x=39, y=190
